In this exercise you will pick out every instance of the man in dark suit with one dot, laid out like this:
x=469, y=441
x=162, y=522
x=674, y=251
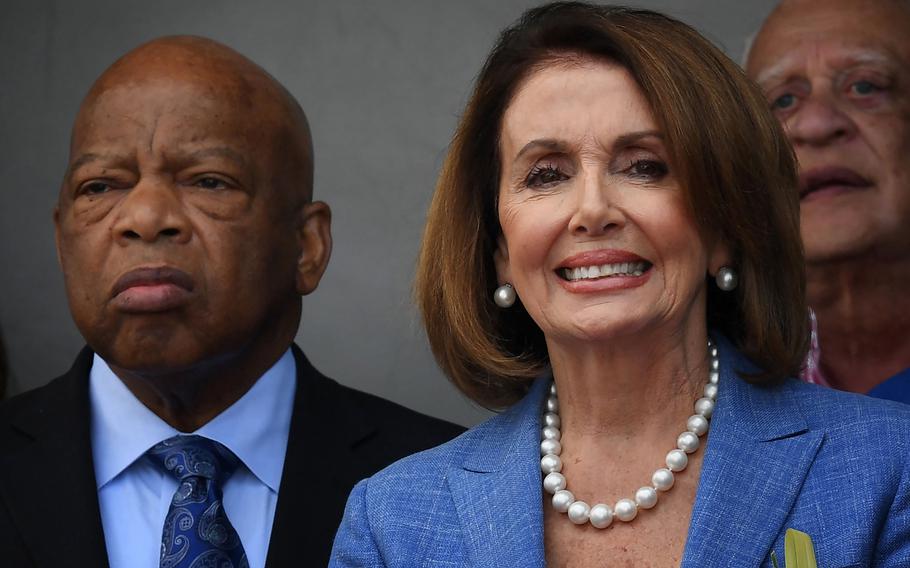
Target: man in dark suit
x=190, y=428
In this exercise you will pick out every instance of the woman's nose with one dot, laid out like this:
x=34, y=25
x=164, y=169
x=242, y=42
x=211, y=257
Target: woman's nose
x=595, y=208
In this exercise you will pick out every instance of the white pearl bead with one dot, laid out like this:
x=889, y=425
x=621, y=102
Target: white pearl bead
x=562, y=499
x=578, y=512
x=705, y=407
x=662, y=479
x=553, y=389
x=552, y=404
x=646, y=497
x=550, y=446
x=625, y=510
x=715, y=364
x=712, y=351
x=713, y=377
x=551, y=433
x=677, y=460
x=601, y=516
x=504, y=296
x=550, y=463
x=551, y=419
x=553, y=482
x=687, y=442
x=711, y=391
x=697, y=424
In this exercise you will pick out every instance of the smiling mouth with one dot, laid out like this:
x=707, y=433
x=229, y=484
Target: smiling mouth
x=602, y=271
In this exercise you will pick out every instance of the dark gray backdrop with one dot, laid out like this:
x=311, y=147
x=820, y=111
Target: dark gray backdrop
x=383, y=84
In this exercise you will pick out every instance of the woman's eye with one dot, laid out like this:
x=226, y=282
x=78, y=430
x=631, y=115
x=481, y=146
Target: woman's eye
x=542, y=176
x=783, y=102
x=648, y=169
x=864, y=88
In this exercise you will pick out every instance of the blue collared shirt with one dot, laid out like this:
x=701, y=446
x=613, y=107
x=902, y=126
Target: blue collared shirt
x=134, y=495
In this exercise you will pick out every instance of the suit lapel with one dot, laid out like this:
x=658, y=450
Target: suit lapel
x=497, y=489
x=758, y=454
x=319, y=462
x=48, y=482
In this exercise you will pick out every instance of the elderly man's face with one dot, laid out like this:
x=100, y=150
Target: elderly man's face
x=837, y=74
x=178, y=246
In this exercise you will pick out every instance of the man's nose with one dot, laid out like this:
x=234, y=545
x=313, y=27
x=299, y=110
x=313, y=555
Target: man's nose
x=150, y=211
x=595, y=208
x=819, y=122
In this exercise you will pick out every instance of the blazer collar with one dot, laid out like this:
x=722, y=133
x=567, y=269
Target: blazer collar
x=61, y=522
x=325, y=428
x=497, y=488
x=758, y=454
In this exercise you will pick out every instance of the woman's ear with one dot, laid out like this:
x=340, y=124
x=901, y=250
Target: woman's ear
x=719, y=256
x=501, y=260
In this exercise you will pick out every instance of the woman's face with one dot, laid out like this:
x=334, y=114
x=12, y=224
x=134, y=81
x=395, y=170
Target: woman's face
x=596, y=236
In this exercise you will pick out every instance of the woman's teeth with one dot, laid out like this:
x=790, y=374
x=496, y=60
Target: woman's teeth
x=604, y=271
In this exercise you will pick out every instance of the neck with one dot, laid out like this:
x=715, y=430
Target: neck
x=188, y=398
x=863, y=315
x=632, y=388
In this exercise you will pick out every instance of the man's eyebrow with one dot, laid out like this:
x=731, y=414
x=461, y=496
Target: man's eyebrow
x=779, y=70
x=89, y=158
x=775, y=72
x=218, y=152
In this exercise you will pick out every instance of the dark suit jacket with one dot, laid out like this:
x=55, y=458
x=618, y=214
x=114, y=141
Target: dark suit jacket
x=49, y=515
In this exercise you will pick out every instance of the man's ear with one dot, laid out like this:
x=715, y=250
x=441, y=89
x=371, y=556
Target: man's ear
x=501, y=260
x=314, y=233
x=57, y=235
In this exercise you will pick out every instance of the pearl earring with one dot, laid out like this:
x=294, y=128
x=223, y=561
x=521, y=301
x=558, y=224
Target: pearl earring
x=504, y=296
x=726, y=278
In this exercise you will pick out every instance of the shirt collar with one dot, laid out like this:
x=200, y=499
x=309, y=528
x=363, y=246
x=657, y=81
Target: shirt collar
x=255, y=428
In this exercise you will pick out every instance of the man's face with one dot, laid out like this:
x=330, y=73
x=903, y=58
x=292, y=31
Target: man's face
x=837, y=75
x=176, y=243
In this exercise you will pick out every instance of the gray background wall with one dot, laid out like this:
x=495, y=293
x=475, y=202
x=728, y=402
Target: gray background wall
x=383, y=84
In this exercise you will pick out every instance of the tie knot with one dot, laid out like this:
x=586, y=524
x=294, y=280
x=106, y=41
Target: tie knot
x=194, y=456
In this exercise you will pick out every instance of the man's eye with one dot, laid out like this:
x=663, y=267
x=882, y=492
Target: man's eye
x=210, y=183
x=545, y=175
x=783, y=102
x=95, y=188
x=864, y=88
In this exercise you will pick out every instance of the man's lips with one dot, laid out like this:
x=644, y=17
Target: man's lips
x=830, y=178
x=152, y=289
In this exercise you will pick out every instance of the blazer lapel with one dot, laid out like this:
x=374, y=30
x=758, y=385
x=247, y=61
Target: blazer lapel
x=48, y=481
x=319, y=462
x=497, y=489
x=758, y=454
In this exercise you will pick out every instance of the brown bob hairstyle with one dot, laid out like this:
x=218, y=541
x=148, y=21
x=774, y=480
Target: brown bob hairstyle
x=727, y=149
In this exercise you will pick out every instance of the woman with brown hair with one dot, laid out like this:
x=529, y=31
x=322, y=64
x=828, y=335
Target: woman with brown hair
x=612, y=256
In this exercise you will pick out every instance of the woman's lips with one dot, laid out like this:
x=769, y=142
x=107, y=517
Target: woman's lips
x=152, y=289
x=603, y=270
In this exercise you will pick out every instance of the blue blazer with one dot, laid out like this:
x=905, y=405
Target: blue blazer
x=834, y=465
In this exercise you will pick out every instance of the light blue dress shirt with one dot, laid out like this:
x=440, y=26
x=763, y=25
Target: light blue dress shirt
x=134, y=495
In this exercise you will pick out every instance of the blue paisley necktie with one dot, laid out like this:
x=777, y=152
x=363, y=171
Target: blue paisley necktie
x=197, y=532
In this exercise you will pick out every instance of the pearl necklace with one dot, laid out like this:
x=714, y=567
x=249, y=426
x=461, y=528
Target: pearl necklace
x=600, y=515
